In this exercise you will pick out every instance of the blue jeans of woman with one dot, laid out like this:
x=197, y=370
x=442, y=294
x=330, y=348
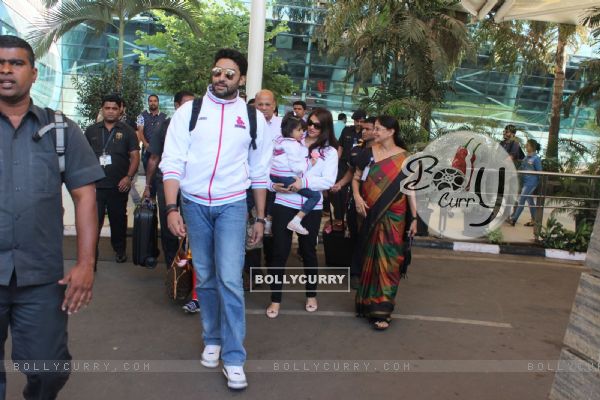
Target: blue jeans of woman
x=525, y=197
x=217, y=237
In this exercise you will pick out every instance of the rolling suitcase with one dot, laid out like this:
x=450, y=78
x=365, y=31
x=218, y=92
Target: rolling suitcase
x=337, y=245
x=145, y=235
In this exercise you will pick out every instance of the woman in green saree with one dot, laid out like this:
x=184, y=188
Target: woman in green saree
x=383, y=235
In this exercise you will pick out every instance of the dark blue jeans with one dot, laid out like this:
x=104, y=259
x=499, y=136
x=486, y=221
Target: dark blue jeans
x=312, y=196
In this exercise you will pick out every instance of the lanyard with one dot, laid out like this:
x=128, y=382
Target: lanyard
x=105, y=144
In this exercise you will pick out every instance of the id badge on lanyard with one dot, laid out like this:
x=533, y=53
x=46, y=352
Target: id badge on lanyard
x=105, y=159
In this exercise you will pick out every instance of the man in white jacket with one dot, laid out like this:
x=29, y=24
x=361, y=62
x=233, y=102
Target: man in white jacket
x=213, y=165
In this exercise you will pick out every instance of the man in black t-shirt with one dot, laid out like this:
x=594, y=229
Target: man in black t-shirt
x=349, y=138
x=117, y=148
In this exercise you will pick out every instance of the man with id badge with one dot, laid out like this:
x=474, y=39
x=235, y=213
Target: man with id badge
x=116, y=146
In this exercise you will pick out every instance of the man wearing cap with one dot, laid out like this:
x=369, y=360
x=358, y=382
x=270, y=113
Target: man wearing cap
x=348, y=139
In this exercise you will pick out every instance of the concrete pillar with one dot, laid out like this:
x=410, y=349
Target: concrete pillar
x=582, y=339
x=256, y=47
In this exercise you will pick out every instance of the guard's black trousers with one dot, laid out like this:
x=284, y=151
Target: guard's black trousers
x=38, y=329
x=114, y=203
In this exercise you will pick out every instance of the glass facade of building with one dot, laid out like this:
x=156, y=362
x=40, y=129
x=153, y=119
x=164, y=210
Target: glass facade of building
x=477, y=92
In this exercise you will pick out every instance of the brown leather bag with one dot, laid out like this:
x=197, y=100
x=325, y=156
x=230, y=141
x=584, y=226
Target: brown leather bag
x=179, y=283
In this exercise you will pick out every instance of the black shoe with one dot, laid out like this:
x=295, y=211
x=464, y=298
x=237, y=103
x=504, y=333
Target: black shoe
x=121, y=258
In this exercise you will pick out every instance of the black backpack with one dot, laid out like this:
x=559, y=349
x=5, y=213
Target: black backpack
x=197, y=106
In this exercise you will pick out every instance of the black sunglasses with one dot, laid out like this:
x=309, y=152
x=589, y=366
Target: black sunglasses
x=315, y=124
x=229, y=73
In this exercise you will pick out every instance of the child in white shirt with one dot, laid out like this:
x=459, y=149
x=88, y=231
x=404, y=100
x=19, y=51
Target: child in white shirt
x=290, y=161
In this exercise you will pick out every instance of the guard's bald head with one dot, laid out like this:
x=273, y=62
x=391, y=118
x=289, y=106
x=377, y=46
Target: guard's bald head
x=265, y=103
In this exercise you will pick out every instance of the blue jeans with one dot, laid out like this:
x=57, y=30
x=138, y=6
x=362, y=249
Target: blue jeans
x=525, y=197
x=217, y=239
x=312, y=196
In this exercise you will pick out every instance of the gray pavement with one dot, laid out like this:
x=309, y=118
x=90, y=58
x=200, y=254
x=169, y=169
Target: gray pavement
x=454, y=307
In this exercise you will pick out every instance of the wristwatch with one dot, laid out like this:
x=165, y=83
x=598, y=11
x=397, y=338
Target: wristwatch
x=261, y=220
x=131, y=177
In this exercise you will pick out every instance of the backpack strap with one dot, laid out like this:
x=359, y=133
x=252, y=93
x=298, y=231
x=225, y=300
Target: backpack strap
x=56, y=122
x=60, y=126
x=196, y=107
x=252, y=118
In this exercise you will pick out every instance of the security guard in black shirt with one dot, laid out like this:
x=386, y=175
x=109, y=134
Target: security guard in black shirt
x=117, y=148
x=349, y=138
x=33, y=299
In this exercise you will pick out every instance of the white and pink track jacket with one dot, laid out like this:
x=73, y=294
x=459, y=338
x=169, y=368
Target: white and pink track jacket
x=214, y=163
x=289, y=157
x=318, y=177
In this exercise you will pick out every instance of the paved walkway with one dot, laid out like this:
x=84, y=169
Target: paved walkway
x=456, y=312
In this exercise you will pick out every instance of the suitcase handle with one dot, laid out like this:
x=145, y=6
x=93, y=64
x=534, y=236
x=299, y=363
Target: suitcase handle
x=146, y=202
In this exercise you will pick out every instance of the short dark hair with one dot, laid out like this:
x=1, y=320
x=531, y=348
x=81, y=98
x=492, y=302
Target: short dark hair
x=235, y=56
x=181, y=94
x=511, y=128
x=153, y=95
x=14, y=42
x=299, y=103
x=112, y=98
x=342, y=117
x=370, y=120
x=534, y=143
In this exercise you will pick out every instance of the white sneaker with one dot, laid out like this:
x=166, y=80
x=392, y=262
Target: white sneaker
x=236, y=378
x=211, y=355
x=268, y=226
x=297, y=227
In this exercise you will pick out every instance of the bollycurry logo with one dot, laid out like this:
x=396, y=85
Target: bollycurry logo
x=465, y=185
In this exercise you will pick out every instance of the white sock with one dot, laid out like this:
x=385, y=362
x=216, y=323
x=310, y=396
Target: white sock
x=297, y=219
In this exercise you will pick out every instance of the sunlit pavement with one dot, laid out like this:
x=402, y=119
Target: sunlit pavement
x=454, y=307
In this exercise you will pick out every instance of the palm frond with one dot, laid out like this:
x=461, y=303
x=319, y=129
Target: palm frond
x=183, y=9
x=59, y=20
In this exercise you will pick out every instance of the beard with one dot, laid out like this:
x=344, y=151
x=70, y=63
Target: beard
x=226, y=92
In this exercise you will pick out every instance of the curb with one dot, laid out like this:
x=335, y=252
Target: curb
x=473, y=247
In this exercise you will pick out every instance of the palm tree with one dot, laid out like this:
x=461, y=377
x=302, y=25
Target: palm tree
x=565, y=32
x=61, y=18
x=533, y=47
x=413, y=43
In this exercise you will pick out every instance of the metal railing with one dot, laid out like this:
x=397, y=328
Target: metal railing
x=552, y=193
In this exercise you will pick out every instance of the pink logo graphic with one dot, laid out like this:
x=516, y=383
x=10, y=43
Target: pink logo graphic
x=239, y=123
